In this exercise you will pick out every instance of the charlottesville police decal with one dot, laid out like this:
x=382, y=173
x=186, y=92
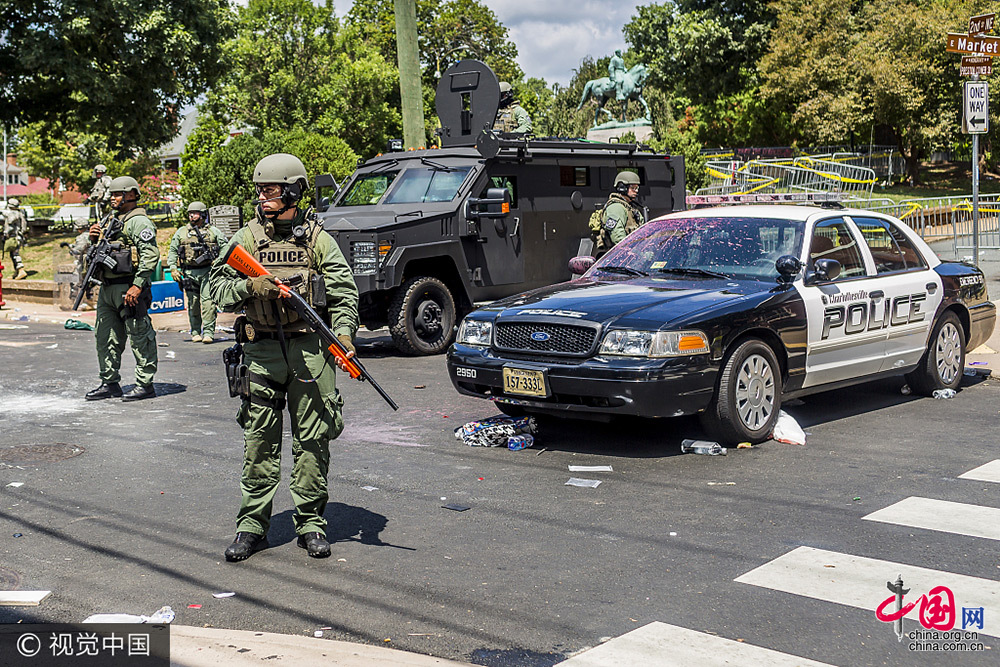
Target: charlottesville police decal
x=870, y=313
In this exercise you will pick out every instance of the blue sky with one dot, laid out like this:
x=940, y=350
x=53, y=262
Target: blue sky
x=553, y=36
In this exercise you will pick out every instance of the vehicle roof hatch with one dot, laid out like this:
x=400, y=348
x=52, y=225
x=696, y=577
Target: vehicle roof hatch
x=467, y=99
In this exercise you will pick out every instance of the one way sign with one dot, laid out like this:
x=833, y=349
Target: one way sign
x=975, y=107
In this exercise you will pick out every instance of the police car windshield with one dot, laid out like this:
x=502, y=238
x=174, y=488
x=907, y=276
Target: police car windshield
x=427, y=184
x=699, y=248
x=368, y=188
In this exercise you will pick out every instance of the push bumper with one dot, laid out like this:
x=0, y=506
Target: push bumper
x=600, y=385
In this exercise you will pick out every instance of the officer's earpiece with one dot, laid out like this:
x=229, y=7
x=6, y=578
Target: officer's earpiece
x=291, y=194
x=299, y=232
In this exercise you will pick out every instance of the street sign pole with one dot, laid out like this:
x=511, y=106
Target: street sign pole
x=975, y=198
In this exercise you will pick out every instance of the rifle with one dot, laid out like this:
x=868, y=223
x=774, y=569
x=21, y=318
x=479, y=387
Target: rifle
x=99, y=255
x=246, y=265
x=211, y=251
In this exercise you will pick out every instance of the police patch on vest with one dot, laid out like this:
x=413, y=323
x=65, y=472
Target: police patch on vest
x=146, y=234
x=610, y=224
x=288, y=257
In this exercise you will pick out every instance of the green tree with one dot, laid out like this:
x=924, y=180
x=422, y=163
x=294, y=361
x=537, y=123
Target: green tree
x=117, y=69
x=225, y=176
x=291, y=65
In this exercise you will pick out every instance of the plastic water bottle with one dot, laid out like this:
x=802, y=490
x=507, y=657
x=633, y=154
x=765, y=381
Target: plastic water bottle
x=944, y=393
x=516, y=442
x=702, y=447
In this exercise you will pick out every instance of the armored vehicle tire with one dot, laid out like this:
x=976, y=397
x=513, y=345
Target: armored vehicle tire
x=748, y=398
x=943, y=362
x=422, y=316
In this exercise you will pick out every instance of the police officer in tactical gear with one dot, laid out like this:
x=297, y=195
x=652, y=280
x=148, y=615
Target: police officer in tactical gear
x=124, y=297
x=621, y=214
x=510, y=116
x=100, y=194
x=192, y=250
x=287, y=362
x=15, y=228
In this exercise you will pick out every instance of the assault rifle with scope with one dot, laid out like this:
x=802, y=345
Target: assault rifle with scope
x=99, y=255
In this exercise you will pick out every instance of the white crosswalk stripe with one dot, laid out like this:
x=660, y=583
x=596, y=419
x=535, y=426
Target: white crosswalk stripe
x=988, y=472
x=666, y=645
x=942, y=515
x=861, y=582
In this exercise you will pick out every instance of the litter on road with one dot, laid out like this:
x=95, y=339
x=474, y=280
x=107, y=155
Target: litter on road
x=22, y=598
x=495, y=431
x=590, y=469
x=588, y=483
x=456, y=507
x=16, y=484
x=223, y=595
x=162, y=615
x=788, y=431
x=706, y=447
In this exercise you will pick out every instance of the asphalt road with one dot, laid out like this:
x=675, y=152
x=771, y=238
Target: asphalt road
x=534, y=572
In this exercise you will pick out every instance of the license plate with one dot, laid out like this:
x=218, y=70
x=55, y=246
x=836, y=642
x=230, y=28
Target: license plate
x=524, y=382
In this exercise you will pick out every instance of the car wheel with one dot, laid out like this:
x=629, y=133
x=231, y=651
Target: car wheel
x=748, y=397
x=422, y=316
x=943, y=362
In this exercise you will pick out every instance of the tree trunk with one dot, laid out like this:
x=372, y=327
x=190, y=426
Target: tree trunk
x=912, y=165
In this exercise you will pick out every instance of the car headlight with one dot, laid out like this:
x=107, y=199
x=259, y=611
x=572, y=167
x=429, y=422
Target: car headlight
x=475, y=332
x=623, y=342
x=364, y=258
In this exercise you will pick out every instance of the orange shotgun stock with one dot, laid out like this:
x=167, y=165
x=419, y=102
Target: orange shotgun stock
x=245, y=263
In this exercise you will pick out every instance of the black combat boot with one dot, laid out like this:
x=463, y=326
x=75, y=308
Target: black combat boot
x=245, y=545
x=315, y=544
x=138, y=392
x=106, y=390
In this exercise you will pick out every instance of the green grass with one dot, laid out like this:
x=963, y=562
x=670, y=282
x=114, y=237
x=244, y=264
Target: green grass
x=41, y=253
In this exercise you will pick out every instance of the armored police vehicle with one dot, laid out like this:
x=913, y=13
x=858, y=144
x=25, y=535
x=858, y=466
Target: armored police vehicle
x=428, y=233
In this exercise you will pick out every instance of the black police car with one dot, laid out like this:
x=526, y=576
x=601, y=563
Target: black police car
x=725, y=312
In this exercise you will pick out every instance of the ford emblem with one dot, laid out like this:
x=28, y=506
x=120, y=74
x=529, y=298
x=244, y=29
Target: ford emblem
x=539, y=336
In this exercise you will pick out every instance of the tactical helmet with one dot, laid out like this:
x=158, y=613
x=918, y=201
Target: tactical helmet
x=124, y=184
x=506, y=94
x=281, y=168
x=627, y=178
x=13, y=203
x=197, y=207
x=100, y=168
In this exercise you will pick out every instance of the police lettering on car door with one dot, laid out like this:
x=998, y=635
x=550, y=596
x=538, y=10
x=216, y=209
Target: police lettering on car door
x=865, y=312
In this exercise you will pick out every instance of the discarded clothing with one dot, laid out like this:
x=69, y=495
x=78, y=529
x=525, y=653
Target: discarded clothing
x=495, y=431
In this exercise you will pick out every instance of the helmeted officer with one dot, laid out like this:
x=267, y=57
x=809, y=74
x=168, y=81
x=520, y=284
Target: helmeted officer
x=287, y=364
x=621, y=214
x=15, y=229
x=100, y=194
x=510, y=116
x=124, y=298
x=192, y=250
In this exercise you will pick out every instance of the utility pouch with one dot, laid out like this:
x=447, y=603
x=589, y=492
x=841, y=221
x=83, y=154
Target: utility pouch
x=237, y=372
x=141, y=307
x=318, y=286
x=240, y=330
x=122, y=257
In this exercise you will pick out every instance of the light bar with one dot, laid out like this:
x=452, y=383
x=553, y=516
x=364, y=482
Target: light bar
x=764, y=198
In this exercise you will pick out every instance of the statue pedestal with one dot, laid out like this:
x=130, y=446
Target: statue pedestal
x=612, y=130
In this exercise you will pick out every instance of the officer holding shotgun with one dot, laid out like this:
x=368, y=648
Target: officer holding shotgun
x=286, y=362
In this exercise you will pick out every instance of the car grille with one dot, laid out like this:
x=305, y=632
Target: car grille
x=562, y=338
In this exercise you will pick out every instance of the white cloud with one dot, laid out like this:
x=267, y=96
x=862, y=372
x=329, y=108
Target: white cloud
x=553, y=36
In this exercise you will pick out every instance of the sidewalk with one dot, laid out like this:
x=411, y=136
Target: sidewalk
x=25, y=311
x=211, y=647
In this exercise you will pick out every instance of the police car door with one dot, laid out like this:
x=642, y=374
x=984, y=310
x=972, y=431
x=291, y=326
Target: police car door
x=840, y=345
x=910, y=290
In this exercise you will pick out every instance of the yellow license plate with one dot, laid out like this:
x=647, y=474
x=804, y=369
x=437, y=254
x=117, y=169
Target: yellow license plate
x=523, y=382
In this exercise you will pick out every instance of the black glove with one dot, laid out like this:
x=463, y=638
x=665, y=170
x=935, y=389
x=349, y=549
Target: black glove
x=264, y=287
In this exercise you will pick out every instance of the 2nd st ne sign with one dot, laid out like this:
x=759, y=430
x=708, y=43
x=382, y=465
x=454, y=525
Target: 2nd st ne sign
x=959, y=43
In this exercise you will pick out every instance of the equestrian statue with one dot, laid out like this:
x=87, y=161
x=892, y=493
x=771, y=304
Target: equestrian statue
x=622, y=85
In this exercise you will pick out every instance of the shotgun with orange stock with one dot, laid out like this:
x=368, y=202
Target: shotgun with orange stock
x=238, y=258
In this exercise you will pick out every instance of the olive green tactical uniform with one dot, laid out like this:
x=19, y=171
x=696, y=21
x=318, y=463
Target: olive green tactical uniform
x=15, y=228
x=512, y=119
x=115, y=320
x=620, y=218
x=184, y=250
x=305, y=378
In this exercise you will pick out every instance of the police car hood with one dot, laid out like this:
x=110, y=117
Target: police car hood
x=646, y=303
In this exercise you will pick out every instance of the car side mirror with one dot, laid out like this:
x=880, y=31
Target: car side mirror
x=825, y=270
x=496, y=204
x=580, y=265
x=788, y=266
